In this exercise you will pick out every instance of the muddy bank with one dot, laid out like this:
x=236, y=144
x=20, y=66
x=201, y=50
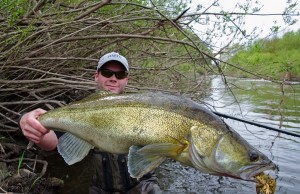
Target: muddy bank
x=23, y=170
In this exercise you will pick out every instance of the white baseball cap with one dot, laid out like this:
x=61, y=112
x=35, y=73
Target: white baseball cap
x=113, y=56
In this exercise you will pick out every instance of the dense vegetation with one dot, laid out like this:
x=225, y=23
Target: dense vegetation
x=277, y=58
x=51, y=51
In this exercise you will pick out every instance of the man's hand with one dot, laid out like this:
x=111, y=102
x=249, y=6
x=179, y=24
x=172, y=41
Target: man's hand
x=32, y=129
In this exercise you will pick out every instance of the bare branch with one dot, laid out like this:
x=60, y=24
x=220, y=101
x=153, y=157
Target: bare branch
x=99, y=5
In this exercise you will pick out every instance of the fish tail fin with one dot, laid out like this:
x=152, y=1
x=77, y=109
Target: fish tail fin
x=72, y=149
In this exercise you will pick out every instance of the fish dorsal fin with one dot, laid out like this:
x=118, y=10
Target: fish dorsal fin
x=141, y=164
x=72, y=149
x=102, y=93
x=94, y=96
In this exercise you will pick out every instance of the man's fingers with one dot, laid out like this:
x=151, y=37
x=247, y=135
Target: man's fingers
x=37, y=127
x=33, y=137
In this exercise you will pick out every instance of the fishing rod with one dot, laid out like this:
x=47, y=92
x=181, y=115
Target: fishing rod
x=256, y=124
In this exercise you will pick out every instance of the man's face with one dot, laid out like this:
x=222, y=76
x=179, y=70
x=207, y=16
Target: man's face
x=112, y=84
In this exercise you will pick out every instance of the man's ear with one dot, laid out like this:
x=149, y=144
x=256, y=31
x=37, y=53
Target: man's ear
x=96, y=75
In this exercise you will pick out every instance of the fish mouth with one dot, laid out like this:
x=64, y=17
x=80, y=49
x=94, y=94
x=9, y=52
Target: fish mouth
x=249, y=172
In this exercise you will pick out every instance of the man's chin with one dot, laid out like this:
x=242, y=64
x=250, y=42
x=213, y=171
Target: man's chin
x=113, y=89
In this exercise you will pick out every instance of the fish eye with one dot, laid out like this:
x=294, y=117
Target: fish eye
x=253, y=156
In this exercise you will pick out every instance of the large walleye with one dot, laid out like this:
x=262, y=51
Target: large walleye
x=151, y=127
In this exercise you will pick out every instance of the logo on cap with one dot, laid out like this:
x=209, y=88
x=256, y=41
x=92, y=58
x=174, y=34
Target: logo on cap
x=113, y=56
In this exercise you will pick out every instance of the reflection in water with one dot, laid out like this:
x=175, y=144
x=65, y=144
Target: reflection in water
x=258, y=101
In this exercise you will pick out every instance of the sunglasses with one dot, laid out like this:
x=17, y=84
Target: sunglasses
x=108, y=73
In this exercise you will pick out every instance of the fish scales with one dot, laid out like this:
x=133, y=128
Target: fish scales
x=150, y=127
x=130, y=121
x=134, y=126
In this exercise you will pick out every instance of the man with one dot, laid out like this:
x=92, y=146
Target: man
x=111, y=175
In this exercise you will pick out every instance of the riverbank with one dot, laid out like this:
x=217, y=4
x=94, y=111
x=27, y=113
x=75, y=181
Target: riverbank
x=287, y=76
x=23, y=170
x=274, y=57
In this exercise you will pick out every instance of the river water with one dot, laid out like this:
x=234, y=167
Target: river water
x=258, y=100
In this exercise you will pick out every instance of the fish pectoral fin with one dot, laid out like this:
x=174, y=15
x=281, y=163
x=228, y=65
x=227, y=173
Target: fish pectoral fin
x=72, y=148
x=163, y=149
x=140, y=164
x=142, y=160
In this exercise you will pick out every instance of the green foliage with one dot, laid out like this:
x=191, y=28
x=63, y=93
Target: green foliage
x=171, y=7
x=20, y=162
x=273, y=57
x=22, y=33
x=35, y=182
x=13, y=10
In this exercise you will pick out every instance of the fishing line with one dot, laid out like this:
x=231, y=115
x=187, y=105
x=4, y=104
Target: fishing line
x=256, y=124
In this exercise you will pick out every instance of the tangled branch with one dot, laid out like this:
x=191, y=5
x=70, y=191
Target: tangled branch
x=50, y=54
